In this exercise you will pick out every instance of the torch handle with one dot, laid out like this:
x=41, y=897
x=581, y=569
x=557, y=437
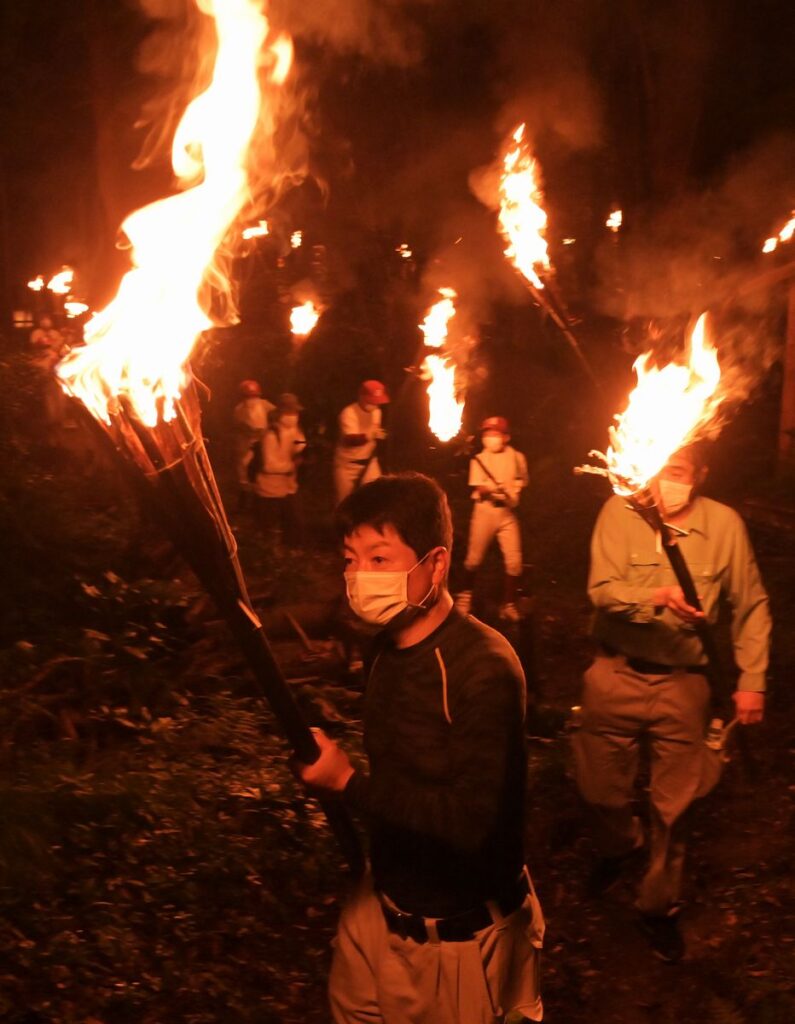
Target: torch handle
x=643, y=502
x=274, y=688
x=560, y=320
x=685, y=581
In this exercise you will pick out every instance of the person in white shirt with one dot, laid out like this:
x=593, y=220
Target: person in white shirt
x=497, y=476
x=250, y=423
x=359, y=431
x=276, y=479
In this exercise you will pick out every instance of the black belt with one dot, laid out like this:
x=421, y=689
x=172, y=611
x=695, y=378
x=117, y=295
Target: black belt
x=653, y=668
x=458, y=928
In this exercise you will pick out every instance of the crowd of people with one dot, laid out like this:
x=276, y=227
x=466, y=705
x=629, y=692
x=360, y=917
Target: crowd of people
x=446, y=926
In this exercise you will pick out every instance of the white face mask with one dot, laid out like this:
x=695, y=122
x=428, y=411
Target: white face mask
x=493, y=444
x=674, y=495
x=379, y=597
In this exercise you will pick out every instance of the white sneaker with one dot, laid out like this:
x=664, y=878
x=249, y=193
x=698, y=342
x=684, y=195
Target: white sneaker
x=509, y=612
x=463, y=602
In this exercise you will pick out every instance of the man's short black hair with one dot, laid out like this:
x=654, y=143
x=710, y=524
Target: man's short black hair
x=412, y=504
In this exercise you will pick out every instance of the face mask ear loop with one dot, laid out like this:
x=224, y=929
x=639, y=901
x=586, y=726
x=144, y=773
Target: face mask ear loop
x=421, y=605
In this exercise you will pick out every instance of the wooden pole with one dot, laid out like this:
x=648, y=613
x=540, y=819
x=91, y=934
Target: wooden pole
x=168, y=466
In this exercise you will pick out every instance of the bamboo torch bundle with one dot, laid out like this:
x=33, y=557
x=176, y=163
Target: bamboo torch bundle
x=523, y=222
x=133, y=374
x=169, y=467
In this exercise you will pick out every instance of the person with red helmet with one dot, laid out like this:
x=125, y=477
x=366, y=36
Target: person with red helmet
x=250, y=422
x=359, y=431
x=497, y=476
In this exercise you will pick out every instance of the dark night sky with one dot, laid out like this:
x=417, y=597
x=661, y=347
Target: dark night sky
x=681, y=111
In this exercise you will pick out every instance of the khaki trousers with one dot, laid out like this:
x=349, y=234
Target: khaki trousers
x=349, y=475
x=490, y=521
x=379, y=978
x=621, y=709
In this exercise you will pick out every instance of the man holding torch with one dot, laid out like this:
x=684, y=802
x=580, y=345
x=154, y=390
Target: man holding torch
x=649, y=679
x=447, y=929
x=497, y=476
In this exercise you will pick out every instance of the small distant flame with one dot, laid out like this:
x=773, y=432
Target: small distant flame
x=569, y=241
x=404, y=251
x=37, y=284
x=445, y=411
x=61, y=283
x=669, y=408
x=786, y=233
x=258, y=230
x=74, y=308
x=523, y=220
x=303, y=319
x=615, y=220
x=138, y=346
x=297, y=239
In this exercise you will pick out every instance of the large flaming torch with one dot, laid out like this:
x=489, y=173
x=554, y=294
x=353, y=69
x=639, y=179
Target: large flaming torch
x=523, y=222
x=445, y=408
x=670, y=407
x=133, y=373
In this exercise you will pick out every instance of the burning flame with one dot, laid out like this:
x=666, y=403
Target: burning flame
x=303, y=319
x=670, y=406
x=522, y=218
x=614, y=221
x=61, y=283
x=297, y=239
x=786, y=233
x=73, y=307
x=139, y=345
x=37, y=284
x=404, y=251
x=434, y=326
x=444, y=409
x=258, y=230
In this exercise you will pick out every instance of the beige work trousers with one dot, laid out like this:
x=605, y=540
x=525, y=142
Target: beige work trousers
x=350, y=475
x=379, y=978
x=243, y=456
x=490, y=521
x=621, y=708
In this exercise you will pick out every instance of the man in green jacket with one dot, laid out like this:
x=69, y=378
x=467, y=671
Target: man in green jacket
x=647, y=684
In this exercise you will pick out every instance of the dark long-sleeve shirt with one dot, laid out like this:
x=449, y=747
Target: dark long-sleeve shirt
x=444, y=800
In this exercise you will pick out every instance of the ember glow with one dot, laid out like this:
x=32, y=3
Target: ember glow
x=670, y=407
x=139, y=345
x=444, y=408
x=404, y=251
x=786, y=233
x=258, y=230
x=297, y=239
x=61, y=283
x=37, y=284
x=303, y=319
x=614, y=221
x=522, y=218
